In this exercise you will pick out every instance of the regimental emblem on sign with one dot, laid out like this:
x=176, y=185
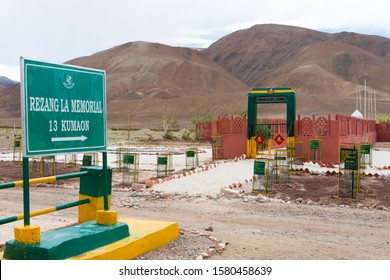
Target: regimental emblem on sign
x=69, y=84
x=279, y=139
x=259, y=139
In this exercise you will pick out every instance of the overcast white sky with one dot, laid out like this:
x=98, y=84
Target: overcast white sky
x=60, y=30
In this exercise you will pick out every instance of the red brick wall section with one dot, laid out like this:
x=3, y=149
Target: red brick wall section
x=383, y=131
x=204, y=130
x=234, y=145
x=332, y=133
x=233, y=130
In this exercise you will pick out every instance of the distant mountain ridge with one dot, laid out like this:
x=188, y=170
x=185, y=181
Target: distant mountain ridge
x=146, y=81
x=256, y=54
x=6, y=82
x=145, y=70
x=325, y=69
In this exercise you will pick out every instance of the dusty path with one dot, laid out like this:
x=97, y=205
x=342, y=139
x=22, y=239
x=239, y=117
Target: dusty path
x=281, y=231
x=269, y=230
x=301, y=220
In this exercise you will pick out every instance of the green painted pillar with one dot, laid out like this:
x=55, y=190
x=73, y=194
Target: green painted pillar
x=26, y=192
x=291, y=114
x=97, y=188
x=252, y=116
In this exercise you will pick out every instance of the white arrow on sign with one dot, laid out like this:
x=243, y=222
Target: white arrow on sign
x=75, y=138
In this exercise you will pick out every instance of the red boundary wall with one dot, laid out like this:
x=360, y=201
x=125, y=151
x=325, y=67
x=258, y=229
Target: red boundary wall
x=232, y=129
x=383, y=132
x=330, y=132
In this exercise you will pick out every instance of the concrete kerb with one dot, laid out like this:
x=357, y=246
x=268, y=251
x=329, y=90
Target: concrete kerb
x=236, y=187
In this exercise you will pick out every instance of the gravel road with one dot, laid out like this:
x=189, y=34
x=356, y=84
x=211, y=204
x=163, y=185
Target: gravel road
x=271, y=230
x=299, y=221
x=237, y=228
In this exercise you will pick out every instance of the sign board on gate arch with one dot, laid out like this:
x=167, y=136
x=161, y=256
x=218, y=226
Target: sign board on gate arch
x=63, y=108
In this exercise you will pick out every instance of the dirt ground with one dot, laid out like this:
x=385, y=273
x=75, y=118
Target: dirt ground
x=301, y=220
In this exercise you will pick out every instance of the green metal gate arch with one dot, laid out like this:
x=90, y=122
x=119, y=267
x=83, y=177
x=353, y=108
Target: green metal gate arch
x=269, y=96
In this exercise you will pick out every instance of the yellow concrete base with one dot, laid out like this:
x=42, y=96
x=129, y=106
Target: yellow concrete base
x=108, y=218
x=88, y=212
x=145, y=236
x=251, y=148
x=27, y=234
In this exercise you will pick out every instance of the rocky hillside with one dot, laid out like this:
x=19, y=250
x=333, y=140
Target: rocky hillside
x=147, y=81
x=10, y=106
x=325, y=69
x=6, y=82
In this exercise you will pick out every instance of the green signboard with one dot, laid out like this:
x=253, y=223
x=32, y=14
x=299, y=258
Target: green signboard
x=365, y=149
x=162, y=160
x=259, y=168
x=190, y=153
x=87, y=160
x=314, y=144
x=280, y=158
x=17, y=143
x=350, y=158
x=271, y=99
x=63, y=108
x=128, y=159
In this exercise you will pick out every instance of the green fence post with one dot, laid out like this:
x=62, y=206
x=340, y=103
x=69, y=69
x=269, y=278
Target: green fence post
x=26, y=192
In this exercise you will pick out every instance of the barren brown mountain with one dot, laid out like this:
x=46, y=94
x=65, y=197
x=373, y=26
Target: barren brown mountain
x=10, y=106
x=149, y=81
x=146, y=81
x=9, y=102
x=325, y=69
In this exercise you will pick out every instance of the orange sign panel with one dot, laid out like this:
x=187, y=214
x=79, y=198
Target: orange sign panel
x=279, y=139
x=259, y=139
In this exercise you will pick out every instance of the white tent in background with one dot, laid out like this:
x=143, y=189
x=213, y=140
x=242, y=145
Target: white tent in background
x=357, y=114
